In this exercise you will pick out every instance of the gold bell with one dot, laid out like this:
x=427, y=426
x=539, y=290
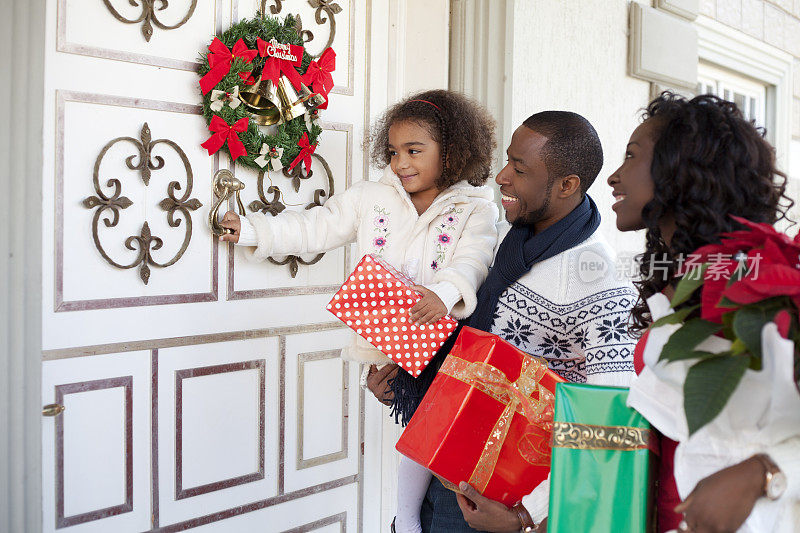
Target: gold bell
x=263, y=102
x=310, y=99
x=291, y=104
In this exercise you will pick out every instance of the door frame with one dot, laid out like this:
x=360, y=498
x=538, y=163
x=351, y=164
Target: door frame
x=20, y=267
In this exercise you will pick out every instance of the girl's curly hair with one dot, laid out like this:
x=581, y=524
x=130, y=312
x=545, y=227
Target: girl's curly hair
x=709, y=162
x=463, y=128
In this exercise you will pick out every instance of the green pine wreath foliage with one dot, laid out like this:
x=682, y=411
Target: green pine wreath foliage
x=289, y=133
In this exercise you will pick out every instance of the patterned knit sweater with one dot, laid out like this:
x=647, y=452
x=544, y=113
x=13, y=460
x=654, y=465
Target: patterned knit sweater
x=573, y=310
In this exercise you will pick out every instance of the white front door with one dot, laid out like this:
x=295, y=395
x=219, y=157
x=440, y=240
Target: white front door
x=198, y=390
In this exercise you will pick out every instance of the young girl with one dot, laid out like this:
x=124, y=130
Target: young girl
x=429, y=216
x=688, y=167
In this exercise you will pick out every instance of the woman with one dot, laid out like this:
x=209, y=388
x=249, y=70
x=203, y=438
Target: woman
x=688, y=167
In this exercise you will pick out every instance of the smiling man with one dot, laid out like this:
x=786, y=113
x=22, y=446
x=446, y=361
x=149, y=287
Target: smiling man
x=552, y=292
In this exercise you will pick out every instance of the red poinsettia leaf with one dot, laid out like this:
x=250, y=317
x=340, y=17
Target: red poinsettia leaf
x=783, y=320
x=745, y=292
x=779, y=280
x=772, y=280
x=704, y=252
x=713, y=290
x=743, y=240
x=759, y=227
x=761, y=232
x=771, y=253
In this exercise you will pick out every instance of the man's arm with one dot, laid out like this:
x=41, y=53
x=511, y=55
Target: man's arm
x=484, y=514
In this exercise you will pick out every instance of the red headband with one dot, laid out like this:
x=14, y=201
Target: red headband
x=427, y=102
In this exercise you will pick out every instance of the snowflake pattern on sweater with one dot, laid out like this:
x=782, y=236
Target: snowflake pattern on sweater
x=585, y=338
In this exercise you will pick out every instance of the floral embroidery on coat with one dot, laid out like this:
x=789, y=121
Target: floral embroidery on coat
x=445, y=227
x=381, y=227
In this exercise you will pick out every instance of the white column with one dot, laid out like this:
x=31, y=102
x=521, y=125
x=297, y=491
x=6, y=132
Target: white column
x=21, y=89
x=481, y=56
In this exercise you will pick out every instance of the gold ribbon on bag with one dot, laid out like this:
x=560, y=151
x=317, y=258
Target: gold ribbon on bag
x=577, y=436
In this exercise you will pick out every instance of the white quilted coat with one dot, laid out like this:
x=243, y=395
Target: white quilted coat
x=448, y=248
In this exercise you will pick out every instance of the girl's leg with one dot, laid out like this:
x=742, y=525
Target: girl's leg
x=413, y=481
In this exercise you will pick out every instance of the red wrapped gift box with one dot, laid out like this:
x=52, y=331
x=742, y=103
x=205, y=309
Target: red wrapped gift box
x=487, y=419
x=374, y=302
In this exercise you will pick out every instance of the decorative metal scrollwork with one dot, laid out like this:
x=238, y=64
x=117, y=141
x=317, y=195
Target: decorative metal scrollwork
x=145, y=242
x=149, y=16
x=296, y=175
x=323, y=7
x=276, y=205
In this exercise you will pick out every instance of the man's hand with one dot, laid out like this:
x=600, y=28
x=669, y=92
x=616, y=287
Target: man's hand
x=484, y=514
x=230, y=220
x=722, y=502
x=378, y=382
x=429, y=309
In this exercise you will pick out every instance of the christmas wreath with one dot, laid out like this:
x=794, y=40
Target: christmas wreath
x=257, y=73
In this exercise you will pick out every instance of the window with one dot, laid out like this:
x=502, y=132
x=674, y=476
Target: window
x=749, y=95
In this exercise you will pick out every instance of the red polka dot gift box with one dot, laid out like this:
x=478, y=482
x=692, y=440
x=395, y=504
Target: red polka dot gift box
x=374, y=302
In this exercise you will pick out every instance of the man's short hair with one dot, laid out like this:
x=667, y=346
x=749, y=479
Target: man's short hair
x=572, y=146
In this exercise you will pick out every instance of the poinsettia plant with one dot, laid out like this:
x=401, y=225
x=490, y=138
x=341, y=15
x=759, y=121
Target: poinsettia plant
x=750, y=278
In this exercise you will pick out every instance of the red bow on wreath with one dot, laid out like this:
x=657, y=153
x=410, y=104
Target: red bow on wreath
x=220, y=59
x=226, y=132
x=306, y=149
x=319, y=74
x=280, y=59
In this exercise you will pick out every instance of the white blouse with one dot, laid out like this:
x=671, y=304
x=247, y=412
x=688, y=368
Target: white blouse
x=761, y=416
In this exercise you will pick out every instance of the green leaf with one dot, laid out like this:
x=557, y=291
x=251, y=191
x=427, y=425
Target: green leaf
x=727, y=324
x=749, y=321
x=698, y=354
x=675, y=318
x=708, y=386
x=738, y=347
x=689, y=283
x=687, y=338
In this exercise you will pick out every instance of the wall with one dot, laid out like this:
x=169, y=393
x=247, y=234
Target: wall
x=573, y=56
x=777, y=23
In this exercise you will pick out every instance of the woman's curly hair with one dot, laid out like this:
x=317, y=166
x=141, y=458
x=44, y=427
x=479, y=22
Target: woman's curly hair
x=709, y=162
x=463, y=128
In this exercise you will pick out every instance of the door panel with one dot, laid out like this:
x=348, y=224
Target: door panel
x=108, y=32
x=219, y=426
x=96, y=465
x=110, y=133
x=322, y=416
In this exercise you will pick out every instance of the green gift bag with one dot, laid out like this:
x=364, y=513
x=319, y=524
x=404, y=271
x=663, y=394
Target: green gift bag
x=602, y=467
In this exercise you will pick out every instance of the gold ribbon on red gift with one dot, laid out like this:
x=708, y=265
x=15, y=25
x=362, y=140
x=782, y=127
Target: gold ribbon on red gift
x=518, y=397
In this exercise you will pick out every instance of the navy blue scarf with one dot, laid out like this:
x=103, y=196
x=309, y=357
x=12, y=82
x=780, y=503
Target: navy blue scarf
x=520, y=250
